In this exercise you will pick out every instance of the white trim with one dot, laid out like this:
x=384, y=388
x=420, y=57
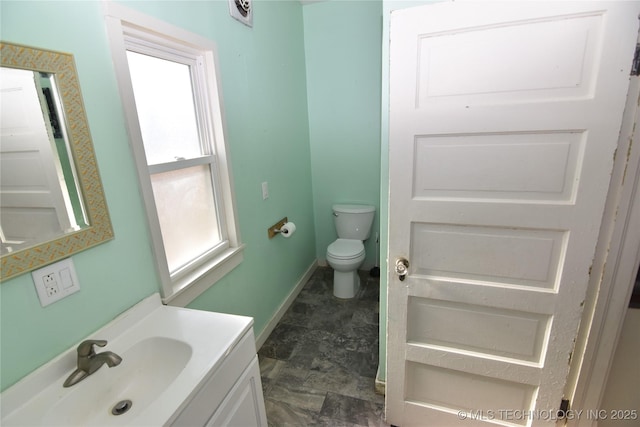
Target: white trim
x=202, y=279
x=179, y=289
x=266, y=331
x=115, y=10
x=158, y=168
x=380, y=385
x=614, y=269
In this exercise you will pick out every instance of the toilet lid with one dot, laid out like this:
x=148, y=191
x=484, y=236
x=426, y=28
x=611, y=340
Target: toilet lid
x=346, y=248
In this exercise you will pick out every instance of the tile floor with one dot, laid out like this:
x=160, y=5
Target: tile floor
x=319, y=364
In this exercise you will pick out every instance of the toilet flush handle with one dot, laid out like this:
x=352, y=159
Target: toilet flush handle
x=335, y=214
x=402, y=268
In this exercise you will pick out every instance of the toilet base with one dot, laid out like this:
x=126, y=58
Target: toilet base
x=345, y=284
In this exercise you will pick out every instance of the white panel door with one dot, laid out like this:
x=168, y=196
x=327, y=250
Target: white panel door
x=504, y=120
x=34, y=205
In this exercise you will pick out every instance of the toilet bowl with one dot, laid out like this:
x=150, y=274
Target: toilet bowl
x=346, y=254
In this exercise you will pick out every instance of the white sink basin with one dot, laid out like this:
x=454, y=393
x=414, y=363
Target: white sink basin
x=167, y=354
x=146, y=370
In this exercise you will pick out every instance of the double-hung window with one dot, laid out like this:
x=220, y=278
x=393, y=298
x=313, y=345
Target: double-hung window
x=168, y=83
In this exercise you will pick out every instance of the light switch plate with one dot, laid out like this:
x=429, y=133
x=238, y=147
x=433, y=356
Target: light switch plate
x=55, y=281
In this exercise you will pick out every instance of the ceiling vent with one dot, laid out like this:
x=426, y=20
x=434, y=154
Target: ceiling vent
x=242, y=10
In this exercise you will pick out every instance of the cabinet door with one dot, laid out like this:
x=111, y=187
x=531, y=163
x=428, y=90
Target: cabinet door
x=244, y=406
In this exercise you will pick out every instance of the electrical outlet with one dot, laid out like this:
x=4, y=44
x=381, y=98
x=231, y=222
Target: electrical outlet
x=49, y=279
x=55, y=281
x=51, y=289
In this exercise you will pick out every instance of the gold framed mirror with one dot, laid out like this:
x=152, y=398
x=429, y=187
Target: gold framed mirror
x=33, y=236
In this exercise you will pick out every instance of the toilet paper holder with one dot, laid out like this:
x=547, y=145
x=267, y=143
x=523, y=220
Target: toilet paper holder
x=276, y=228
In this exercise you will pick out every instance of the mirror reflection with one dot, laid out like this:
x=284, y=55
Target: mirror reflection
x=40, y=198
x=51, y=200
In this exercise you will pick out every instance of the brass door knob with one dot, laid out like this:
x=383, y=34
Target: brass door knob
x=402, y=268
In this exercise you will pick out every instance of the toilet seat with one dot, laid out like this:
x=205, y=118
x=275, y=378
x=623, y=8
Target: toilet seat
x=345, y=249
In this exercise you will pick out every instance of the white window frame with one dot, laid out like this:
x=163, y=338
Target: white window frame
x=129, y=29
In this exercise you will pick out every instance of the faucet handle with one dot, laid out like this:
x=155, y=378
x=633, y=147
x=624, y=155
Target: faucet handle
x=85, y=349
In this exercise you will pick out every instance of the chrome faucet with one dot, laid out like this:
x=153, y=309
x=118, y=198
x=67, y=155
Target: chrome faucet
x=89, y=361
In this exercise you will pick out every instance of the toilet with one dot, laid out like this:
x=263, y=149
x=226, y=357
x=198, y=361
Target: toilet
x=346, y=254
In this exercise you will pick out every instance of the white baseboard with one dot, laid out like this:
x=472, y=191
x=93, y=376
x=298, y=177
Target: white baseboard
x=264, y=334
x=380, y=385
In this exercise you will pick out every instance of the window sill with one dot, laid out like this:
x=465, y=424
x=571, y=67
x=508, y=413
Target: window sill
x=191, y=286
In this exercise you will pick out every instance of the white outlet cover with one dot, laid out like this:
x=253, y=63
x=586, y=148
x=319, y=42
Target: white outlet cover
x=55, y=281
x=242, y=10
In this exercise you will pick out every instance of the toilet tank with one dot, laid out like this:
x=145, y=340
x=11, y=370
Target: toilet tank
x=353, y=221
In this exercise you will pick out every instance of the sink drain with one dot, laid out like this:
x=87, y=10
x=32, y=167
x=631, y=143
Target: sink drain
x=121, y=407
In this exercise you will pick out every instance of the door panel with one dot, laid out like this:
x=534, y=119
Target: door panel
x=560, y=53
x=488, y=254
x=450, y=388
x=543, y=166
x=504, y=120
x=472, y=328
x=33, y=202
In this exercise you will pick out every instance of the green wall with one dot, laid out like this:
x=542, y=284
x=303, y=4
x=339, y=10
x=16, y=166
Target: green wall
x=263, y=80
x=342, y=44
x=302, y=105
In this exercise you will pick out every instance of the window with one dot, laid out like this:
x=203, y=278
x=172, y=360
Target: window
x=168, y=84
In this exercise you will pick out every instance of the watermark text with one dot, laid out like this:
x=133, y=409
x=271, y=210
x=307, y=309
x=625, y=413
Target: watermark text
x=549, y=415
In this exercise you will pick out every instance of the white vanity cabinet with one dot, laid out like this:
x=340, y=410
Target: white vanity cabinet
x=232, y=395
x=180, y=367
x=244, y=406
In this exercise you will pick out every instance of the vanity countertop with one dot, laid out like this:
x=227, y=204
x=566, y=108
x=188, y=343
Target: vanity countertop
x=205, y=340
